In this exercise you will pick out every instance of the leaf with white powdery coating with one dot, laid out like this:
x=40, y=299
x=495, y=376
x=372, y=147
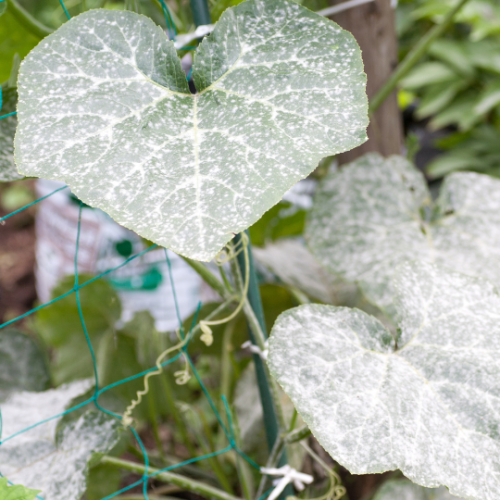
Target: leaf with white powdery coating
x=402, y=489
x=431, y=408
x=22, y=364
x=376, y=213
x=51, y=459
x=105, y=107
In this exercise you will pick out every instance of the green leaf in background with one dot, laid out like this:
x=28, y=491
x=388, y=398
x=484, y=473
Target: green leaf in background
x=426, y=404
x=454, y=53
x=3, y=7
x=22, y=364
x=14, y=39
x=8, y=126
x=401, y=489
x=376, y=213
x=60, y=327
x=477, y=150
x=51, y=458
x=15, y=492
x=428, y=73
x=279, y=88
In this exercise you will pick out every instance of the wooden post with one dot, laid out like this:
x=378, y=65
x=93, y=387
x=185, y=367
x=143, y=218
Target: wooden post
x=373, y=26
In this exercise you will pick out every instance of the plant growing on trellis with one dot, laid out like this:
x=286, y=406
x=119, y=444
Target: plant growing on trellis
x=104, y=106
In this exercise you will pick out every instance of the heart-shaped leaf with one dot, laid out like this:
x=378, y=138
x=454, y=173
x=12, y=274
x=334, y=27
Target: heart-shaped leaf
x=105, y=107
x=431, y=407
x=52, y=460
x=376, y=213
x=401, y=489
x=8, y=126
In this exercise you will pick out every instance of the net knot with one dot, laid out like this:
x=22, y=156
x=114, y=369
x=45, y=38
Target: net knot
x=255, y=349
x=286, y=475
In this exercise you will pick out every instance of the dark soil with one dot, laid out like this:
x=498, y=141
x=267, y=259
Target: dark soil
x=17, y=261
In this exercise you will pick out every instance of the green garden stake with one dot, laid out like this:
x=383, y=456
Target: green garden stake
x=201, y=13
x=270, y=418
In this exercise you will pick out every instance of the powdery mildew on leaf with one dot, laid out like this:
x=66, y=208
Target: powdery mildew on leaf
x=46, y=458
x=376, y=213
x=22, y=364
x=401, y=489
x=104, y=106
x=294, y=265
x=8, y=126
x=431, y=408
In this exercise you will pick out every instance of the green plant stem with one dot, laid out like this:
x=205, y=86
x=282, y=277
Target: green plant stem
x=169, y=477
x=298, y=435
x=179, y=423
x=24, y=18
x=299, y=295
x=207, y=276
x=412, y=58
x=153, y=412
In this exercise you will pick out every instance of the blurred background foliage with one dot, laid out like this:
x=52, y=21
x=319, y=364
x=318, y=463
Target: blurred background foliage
x=454, y=92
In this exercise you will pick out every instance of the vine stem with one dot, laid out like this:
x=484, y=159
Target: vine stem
x=169, y=477
x=24, y=18
x=208, y=277
x=413, y=57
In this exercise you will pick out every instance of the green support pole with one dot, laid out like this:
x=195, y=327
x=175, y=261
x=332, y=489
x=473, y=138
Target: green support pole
x=270, y=419
x=201, y=14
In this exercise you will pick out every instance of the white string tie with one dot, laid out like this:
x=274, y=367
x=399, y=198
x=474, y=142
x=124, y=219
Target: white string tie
x=255, y=349
x=288, y=475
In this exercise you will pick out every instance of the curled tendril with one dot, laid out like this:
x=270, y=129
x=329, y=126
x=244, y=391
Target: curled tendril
x=228, y=253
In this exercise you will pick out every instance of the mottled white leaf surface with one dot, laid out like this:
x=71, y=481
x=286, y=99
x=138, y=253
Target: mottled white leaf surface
x=401, y=489
x=376, y=213
x=22, y=364
x=431, y=408
x=47, y=458
x=105, y=107
x=8, y=126
x=294, y=265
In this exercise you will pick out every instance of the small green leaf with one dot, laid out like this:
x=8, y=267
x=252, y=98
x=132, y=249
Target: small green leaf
x=428, y=407
x=15, y=492
x=3, y=6
x=105, y=107
x=376, y=213
x=48, y=457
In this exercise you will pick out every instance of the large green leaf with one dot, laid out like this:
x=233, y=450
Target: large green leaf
x=105, y=107
x=22, y=364
x=401, y=489
x=376, y=213
x=52, y=459
x=8, y=126
x=429, y=407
